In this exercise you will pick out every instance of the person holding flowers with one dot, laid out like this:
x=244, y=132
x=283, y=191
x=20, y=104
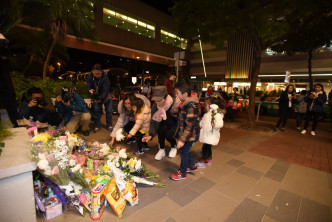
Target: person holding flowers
x=125, y=113
x=188, y=127
x=210, y=125
x=141, y=127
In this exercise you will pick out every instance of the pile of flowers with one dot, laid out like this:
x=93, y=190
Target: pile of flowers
x=80, y=174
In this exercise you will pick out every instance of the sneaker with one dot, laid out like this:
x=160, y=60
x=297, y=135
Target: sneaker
x=303, y=132
x=282, y=128
x=209, y=162
x=313, y=133
x=86, y=133
x=96, y=129
x=110, y=128
x=191, y=169
x=178, y=175
x=130, y=141
x=139, y=152
x=145, y=146
x=172, y=152
x=160, y=154
x=201, y=165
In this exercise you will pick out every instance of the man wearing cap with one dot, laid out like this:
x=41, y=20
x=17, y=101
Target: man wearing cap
x=162, y=122
x=169, y=84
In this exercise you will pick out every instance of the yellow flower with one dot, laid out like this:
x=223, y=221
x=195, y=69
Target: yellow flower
x=74, y=135
x=106, y=168
x=44, y=137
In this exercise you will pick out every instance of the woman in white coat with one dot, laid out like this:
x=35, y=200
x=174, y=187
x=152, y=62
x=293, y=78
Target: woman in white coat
x=210, y=125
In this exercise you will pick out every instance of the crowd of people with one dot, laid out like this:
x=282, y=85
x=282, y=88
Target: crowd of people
x=308, y=107
x=175, y=115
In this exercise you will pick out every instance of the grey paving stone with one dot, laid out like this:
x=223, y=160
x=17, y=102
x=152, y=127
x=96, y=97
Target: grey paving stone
x=284, y=207
x=248, y=210
x=311, y=211
x=278, y=170
x=235, y=163
x=184, y=195
x=250, y=172
x=202, y=184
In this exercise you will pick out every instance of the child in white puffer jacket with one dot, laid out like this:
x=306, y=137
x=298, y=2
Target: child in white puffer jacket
x=210, y=125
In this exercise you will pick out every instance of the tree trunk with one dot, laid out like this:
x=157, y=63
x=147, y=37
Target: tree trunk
x=29, y=64
x=310, y=69
x=252, y=92
x=48, y=58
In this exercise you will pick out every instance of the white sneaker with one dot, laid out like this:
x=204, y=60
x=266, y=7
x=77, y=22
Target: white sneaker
x=172, y=152
x=313, y=133
x=303, y=132
x=160, y=154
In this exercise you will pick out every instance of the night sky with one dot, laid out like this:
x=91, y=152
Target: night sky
x=162, y=5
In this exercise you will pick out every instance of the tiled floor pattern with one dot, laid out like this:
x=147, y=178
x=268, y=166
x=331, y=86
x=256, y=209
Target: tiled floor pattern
x=239, y=186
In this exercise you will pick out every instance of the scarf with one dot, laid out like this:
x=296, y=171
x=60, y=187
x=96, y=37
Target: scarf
x=161, y=113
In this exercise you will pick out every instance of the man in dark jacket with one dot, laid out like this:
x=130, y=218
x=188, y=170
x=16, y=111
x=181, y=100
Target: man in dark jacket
x=162, y=122
x=75, y=114
x=39, y=108
x=98, y=85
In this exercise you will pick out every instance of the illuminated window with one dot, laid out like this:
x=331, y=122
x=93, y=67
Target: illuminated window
x=126, y=21
x=170, y=38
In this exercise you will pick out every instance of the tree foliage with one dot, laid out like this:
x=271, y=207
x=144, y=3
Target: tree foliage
x=267, y=22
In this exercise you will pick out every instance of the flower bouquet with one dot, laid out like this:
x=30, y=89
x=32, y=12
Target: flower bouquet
x=214, y=109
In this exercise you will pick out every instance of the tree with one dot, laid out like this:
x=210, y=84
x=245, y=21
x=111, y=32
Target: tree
x=267, y=23
x=316, y=35
x=74, y=16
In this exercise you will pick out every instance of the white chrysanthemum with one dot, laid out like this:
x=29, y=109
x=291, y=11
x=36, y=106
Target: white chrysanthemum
x=48, y=172
x=43, y=164
x=214, y=106
x=72, y=141
x=76, y=168
x=119, y=135
x=72, y=162
x=138, y=165
x=41, y=156
x=122, y=153
x=117, y=164
x=105, y=148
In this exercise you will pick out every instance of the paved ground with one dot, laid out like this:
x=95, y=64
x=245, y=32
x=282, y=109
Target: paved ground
x=255, y=176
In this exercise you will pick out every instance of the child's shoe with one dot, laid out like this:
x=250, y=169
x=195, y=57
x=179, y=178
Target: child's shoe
x=145, y=146
x=209, y=161
x=139, y=152
x=191, y=169
x=178, y=175
x=201, y=165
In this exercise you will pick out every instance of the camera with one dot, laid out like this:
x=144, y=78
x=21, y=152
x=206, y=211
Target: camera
x=64, y=95
x=40, y=101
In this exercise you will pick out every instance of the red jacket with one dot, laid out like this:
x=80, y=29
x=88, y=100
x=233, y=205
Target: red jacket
x=169, y=84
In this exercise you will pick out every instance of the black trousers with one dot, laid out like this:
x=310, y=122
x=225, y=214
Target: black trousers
x=299, y=118
x=138, y=136
x=206, y=151
x=284, y=114
x=165, y=132
x=315, y=117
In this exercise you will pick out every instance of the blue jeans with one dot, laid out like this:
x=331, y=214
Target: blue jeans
x=97, y=109
x=186, y=159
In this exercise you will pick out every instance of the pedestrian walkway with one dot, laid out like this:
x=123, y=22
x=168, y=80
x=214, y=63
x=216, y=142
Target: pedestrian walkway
x=252, y=178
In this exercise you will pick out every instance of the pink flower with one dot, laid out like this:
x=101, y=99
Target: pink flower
x=55, y=170
x=31, y=129
x=50, y=157
x=64, y=138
